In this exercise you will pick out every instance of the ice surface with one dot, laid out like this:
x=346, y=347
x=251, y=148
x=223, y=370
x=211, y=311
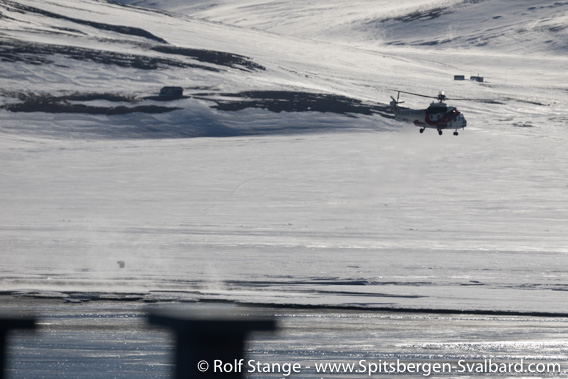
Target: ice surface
x=112, y=339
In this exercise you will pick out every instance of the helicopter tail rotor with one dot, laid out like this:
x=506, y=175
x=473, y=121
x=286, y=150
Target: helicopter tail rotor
x=396, y=101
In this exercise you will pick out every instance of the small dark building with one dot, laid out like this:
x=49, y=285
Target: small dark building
x=459, y=77
x=171, y=92
x=477, y=79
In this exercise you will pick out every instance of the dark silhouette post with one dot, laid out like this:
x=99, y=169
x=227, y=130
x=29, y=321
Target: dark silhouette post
x=209, y=346
x=8, y=323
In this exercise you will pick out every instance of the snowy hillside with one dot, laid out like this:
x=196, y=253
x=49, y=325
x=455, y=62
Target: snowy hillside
x=316, y=196
x=500, y=25
x=87, y=50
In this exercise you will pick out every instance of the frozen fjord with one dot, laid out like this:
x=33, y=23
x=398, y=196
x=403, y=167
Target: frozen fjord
x=306, y=337
x=310, y=219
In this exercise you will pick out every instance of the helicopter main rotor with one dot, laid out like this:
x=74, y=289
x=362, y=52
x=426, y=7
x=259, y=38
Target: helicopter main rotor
x=441, y=96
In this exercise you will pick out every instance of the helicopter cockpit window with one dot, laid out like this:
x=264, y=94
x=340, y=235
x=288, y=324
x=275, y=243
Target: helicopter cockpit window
x=436, y=110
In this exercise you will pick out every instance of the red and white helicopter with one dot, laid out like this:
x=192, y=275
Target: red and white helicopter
x=437, y=116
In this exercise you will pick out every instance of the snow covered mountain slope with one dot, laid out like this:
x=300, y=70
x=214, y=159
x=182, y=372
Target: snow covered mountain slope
x=317, y=196
x=63, y=48
x=500, y=25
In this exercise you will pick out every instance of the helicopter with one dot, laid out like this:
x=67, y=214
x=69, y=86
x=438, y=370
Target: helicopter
x=437, y=116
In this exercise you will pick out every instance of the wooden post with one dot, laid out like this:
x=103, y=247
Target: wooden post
x=8, y=323
x=209, y=346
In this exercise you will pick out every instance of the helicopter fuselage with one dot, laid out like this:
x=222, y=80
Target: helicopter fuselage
x=437, y=116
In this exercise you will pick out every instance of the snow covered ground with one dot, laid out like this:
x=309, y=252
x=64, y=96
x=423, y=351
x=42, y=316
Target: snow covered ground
x=520, y=27
x=304, y=208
